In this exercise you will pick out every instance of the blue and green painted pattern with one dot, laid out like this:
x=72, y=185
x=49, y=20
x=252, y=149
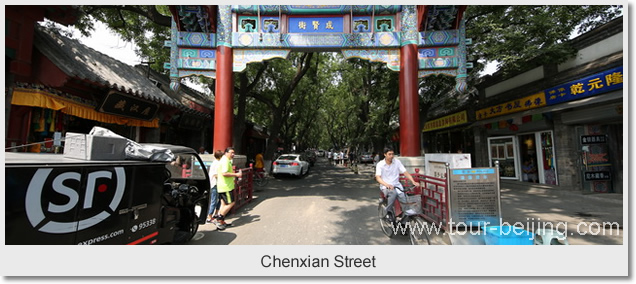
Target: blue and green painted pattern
x=192, y=39
x=197, y=59
x=389, y=56
x=258, y=37
x=409, y=33
x=316, y=9
x=224, y=28
x=318, y=40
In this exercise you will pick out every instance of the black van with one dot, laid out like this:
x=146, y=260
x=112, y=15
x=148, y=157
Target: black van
x=51, y=199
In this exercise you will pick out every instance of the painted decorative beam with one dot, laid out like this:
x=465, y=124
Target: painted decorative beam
x=244, y=56
x=389, y=56
x=316, y=9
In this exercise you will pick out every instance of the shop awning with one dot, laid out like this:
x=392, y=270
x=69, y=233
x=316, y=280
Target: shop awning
x=573, y=104
x=43, y=99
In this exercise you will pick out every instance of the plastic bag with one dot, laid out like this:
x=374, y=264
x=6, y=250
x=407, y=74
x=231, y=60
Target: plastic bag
x=136, y=151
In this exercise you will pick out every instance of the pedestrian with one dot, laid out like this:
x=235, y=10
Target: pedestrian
x=215, y=203
x=387, y=173
x=225, y=186
x=202, y=150
x=529, y=170
x=259, y=163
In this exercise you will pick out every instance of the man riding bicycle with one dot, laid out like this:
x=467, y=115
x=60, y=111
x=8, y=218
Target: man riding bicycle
x=387, y=173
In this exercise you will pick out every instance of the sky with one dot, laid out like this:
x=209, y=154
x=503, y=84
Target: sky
x=110, y=44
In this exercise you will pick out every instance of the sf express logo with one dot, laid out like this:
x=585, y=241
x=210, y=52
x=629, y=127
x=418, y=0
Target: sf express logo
x=46, y=213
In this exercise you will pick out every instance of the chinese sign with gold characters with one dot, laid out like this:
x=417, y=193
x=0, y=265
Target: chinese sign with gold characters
x=446, y=121
x=526, y=103
x=120, y=104
x=591, y=85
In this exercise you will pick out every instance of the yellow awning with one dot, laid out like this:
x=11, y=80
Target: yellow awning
x=42, y=99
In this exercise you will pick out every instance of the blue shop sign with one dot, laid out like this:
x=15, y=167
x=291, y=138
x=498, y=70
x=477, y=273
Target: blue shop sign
x=316, y=25
x=606, y=81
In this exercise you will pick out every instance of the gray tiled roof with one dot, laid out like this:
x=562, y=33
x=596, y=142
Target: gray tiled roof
x=82, y=62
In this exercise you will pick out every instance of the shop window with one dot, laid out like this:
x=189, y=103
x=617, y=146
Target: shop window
x=502, y=150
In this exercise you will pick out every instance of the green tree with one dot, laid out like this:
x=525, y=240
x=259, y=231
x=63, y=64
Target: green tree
x=514, y=34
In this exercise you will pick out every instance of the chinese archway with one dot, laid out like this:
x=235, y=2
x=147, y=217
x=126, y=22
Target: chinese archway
x=415, y=40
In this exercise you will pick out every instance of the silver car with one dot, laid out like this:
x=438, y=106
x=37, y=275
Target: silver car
x=366, y=158
x=291, y=164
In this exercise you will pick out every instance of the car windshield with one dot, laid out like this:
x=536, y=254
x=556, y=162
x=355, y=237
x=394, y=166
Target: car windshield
x=288, y=158
x=186, y=166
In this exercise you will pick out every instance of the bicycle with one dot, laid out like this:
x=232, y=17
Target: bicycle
x=259, y=177
x=407, y=217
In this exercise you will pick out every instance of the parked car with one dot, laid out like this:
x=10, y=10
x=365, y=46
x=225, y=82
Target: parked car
x=365, y=158
x=290, y=164
x=320, y=153
x=311, y=157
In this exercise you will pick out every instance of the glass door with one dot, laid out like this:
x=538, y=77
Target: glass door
x=503, y=149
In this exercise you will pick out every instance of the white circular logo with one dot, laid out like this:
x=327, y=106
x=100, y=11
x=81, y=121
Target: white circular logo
x=34, y=206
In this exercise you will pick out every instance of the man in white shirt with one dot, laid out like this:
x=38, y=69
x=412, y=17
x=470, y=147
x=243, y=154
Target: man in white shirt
x=387, y=173
x=214, y=196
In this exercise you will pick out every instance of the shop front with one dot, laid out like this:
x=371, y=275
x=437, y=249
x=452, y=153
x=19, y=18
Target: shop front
x=448, y=134
x=527, y=157
x=41, y=116
x=521, y=139
x=597, y=128
x=570, y=134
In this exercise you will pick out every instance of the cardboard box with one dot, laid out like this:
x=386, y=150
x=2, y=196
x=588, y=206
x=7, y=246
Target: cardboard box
x=91, y=147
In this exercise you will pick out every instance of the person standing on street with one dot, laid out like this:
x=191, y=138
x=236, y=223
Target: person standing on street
x=225, y=186
x=215, y=203
x=387, y=173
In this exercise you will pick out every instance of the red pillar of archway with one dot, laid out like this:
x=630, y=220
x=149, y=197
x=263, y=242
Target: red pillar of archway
x=409, y=102
x=224, y=99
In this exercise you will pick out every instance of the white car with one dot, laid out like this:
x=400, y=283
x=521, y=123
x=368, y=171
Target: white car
x=291, y=164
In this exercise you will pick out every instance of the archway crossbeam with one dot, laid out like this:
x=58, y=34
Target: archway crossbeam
x=389, y=56
x=316, y=9
x=374, y=32
x=244, y=56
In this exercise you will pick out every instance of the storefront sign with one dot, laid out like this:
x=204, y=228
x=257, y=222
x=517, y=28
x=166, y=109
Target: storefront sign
x=592, y=85
x=446, y=121
x=124, y=105
x=526, y=103
x=593, y=139
x=316, y=25
x=602, y=175
x=474, y=196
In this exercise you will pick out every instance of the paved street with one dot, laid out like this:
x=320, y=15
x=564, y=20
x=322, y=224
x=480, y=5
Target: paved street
x=334, y=206
x=329, y=206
